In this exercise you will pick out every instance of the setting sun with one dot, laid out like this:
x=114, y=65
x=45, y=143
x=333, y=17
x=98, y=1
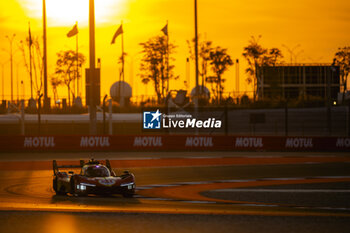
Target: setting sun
x=65, y=12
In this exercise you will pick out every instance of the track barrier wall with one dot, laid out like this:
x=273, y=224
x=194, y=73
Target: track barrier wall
x=171, y=143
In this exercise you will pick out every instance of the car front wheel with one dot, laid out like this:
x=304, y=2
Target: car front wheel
x=74, y=190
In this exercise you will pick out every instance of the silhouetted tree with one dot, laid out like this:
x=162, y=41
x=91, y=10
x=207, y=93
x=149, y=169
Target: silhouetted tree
x=258, y=56
x=205, y=47
x=154, y=64
x=274, y=56
x=219, y=61
x=66, y=68
x=342, y=59
x=55, y=83
x=36, y=60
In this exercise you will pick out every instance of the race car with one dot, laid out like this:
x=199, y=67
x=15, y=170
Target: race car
x=94, y=178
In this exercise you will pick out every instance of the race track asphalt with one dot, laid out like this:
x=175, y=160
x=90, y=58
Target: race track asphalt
x=185, y=192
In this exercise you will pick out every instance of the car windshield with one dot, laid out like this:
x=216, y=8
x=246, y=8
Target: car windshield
x=96, y=171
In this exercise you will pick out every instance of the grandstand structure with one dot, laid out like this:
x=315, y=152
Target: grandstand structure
x=293, y=81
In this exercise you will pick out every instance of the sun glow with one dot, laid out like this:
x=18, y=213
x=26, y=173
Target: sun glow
x=64, y=12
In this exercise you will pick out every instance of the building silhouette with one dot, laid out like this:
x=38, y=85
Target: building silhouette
x=293, y=81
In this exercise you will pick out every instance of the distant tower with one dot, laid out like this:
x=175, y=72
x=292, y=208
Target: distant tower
x=203, y=92
x=121, y=92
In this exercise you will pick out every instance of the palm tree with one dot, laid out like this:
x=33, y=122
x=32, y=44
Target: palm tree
x=220, y=61
x=342, y=59
x=154, y=65
x=205, y=48
x=254, y=56
x=275, y=54
x=257, y=56
x=55, y=82
x=66, y=68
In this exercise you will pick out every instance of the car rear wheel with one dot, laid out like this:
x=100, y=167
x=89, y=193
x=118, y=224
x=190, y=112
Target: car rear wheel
x=61, y=191
x=72, y=186
x=54, y=184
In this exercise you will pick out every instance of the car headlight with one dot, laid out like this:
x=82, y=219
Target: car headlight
x=129, y=185
x=82, y=186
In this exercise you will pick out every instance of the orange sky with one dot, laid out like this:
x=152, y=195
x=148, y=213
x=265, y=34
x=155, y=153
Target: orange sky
x=319, y=27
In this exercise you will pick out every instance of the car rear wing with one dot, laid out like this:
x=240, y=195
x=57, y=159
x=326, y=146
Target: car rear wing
x=56, y=167
x=108, y=165
x=82, y=163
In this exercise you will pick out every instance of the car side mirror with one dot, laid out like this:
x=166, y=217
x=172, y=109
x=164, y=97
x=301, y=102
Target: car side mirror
x=71, y=172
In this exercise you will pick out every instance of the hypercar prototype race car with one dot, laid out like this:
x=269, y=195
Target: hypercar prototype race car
x=94, y=178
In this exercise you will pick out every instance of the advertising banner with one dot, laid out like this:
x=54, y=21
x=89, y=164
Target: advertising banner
x=172, y=142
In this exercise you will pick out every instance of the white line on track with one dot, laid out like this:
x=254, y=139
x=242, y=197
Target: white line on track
x=329, y=177
x=284, y=190
x=291, y=178
x=164, y=185
x=200, y=202
x=237, y=181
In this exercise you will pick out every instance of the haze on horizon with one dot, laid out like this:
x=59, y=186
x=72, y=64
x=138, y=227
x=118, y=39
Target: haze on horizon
x=319, y=27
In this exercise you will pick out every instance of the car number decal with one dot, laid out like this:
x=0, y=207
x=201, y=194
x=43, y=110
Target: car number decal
x=107, y=182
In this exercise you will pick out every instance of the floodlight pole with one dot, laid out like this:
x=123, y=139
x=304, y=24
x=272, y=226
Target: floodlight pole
x=39, y=112
x=46, y=100
x=93, y=121
x=196, y=50
x=10, y=39
x=104, y=114
x=291, y=51
x=196, y=58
